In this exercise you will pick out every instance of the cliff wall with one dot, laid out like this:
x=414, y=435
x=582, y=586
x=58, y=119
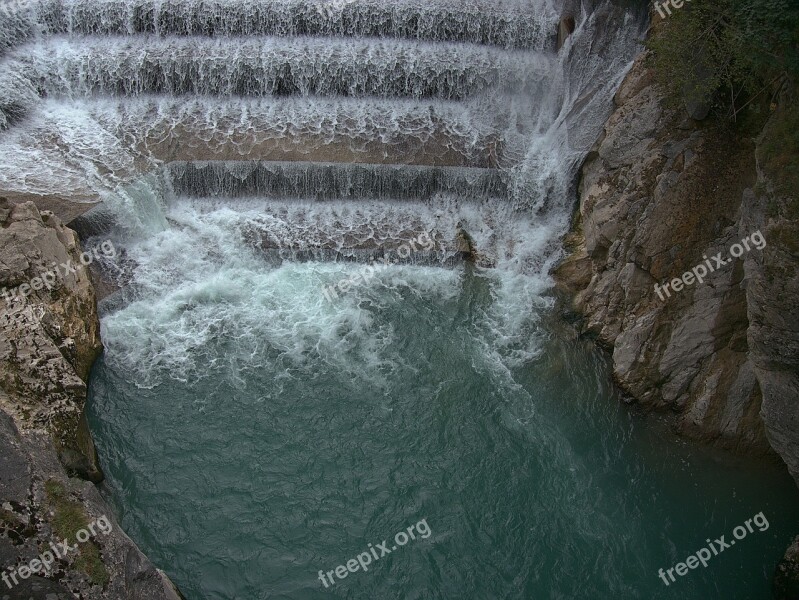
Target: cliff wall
x=49, y=338
x=660, y=196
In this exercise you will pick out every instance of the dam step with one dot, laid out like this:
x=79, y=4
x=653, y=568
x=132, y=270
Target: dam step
x=504, y=23
x=267, y=66
x=440, y=232
x=331, y=181
x=88, y=148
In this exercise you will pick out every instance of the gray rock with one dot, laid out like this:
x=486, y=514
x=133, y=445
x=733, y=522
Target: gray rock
x=655, y=200
x=33, y=588
x=50, y=337
x=660, y=195
x=15, y=480
x=565, y=29
x=48, y=341
x=772, y=293
x=36, y=588
x=144, y=581
x=786, y=577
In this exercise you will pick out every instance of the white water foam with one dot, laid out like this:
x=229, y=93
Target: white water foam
x=507, y=23
x=202, y=278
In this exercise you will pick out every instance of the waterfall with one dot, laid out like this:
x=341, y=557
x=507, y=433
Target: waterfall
x=505, y=23
x=329, y=181
x=405, y=106
x=273, y=66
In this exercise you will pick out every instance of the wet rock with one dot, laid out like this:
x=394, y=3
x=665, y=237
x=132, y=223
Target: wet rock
x=565, y=29
x=657, y=198
x=465, y=245
x=786, y=577
x=145, y=581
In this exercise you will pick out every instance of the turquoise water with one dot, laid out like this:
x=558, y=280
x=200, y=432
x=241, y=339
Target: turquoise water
x=254, y=433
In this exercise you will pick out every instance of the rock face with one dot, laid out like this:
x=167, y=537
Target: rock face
x=661, y=194
x=786, y=579
x=565, y=29
x=49, y=338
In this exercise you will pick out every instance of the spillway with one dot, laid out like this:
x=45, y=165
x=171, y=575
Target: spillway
x=271, y=66
x=505, y=23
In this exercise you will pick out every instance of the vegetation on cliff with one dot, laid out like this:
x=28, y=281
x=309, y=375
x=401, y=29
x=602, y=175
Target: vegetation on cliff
x=741, y=58
x=69, y=517
x=736, y=52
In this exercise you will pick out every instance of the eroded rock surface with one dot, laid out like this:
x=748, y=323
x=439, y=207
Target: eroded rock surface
x=49, y=338
x=659, y=195
x=51, y=335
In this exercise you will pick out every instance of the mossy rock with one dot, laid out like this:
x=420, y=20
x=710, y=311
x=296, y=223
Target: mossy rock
x=68, y=519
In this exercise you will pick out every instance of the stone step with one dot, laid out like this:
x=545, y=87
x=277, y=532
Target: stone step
x=268, y=66
x=505, y=23
x=331, y=181
x=380, y=231
x=87, y=148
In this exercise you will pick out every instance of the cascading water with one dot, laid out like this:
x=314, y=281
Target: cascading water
x=276, y=66
x=298, y=360
x=507, y=23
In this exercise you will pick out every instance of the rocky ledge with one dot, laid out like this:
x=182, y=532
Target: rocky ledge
x=50, y=336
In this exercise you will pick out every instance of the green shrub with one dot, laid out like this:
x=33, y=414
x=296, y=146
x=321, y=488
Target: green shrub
x=745, y=49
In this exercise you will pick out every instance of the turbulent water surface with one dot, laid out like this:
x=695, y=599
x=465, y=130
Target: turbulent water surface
x=254, y=433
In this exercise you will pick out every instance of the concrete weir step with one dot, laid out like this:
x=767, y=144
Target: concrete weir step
x=331, y=181
x=368, y=130
x=411, y=232
x=266, y=66
x=118, y=140
x=505, y=23
x=376, y=234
